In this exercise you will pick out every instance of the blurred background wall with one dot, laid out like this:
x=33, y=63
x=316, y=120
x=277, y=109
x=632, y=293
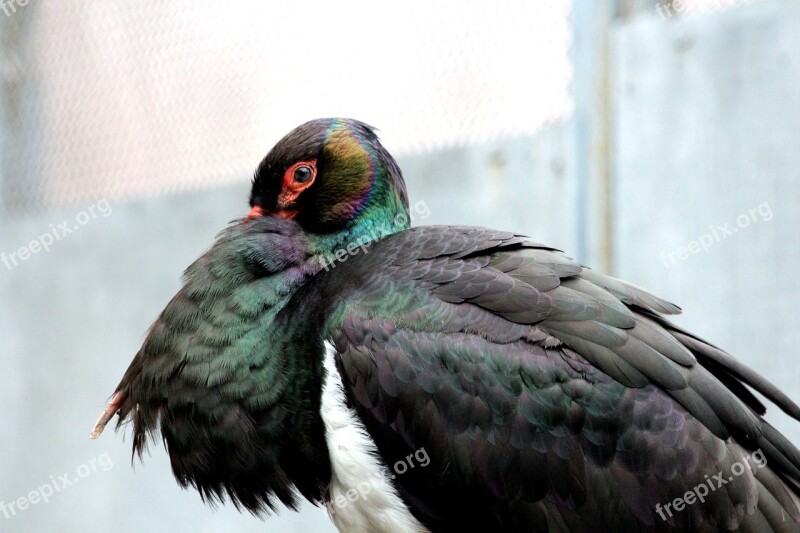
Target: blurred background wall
x=655, y=140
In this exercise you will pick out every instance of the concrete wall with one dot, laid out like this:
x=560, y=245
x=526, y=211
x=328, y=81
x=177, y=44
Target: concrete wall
x=706, y=130
x=707, y=134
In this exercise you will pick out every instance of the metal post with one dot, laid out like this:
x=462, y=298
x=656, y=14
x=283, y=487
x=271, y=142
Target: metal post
x=592, y=22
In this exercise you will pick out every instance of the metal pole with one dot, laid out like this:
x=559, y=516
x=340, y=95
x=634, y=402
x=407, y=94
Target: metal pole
x=593, y=140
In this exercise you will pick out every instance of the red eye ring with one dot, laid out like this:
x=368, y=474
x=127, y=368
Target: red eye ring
x=300, y=176
x=306, y=171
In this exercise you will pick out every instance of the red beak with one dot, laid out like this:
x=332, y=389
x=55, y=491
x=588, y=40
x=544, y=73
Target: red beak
x=256, y=212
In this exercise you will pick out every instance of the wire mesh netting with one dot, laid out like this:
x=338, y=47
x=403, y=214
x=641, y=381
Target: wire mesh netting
x=123, y=100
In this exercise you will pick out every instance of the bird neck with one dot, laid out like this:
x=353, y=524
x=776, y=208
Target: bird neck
x=386, y=212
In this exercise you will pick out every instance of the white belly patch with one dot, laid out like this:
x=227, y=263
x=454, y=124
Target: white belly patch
x=360, y=495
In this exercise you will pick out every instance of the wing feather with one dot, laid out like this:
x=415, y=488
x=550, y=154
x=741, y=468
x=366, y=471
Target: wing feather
x=533, y=380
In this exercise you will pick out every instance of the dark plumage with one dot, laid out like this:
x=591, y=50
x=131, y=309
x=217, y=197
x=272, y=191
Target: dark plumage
x=547, y=396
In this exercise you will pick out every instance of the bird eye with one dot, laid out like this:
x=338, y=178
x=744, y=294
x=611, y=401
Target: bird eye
x=302, y=174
